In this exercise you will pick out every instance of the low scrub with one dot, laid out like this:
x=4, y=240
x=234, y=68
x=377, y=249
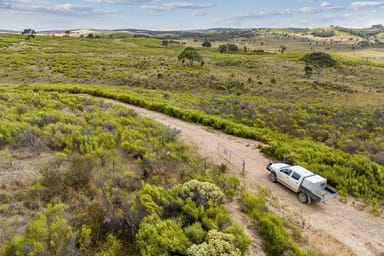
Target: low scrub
x=350, y=173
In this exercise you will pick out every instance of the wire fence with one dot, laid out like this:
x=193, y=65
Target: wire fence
x=236, y=161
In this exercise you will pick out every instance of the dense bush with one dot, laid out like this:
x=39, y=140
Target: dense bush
x=50, y=233
x=192, y=220
x=202, y=192
x=111, y=168
x=217, y=243
x=160, y=237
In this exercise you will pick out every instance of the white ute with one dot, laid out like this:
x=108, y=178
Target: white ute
x=298, y=179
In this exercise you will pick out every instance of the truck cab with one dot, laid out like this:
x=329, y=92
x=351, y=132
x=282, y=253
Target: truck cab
x=292, y=176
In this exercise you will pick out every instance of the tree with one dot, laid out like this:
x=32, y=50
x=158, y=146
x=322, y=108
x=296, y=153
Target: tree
x=233, y=48
x=29, y=32
x=319, y=61
x=165, y=43
x=190, y=54
x=283, y=48
x=228, y=48
x=223, y=48
x=206, y=44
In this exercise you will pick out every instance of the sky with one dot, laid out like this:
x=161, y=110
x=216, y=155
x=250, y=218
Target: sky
x=186, y=15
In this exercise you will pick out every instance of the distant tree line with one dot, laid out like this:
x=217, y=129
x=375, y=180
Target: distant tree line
x=323, y=33
x=224, y=48
x=365, y=33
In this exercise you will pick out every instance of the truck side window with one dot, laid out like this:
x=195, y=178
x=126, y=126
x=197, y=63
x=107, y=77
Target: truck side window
x=286, y=171
x=296, y=176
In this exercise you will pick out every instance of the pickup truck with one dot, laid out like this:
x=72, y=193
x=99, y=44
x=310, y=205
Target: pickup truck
x=300, y=180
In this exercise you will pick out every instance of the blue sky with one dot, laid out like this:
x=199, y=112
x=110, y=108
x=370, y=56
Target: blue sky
x=188, y=14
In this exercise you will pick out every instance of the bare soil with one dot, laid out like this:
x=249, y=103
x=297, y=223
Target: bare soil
x=335, y=228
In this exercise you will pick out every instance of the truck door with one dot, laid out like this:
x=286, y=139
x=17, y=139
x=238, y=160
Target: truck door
x=294, y=181
x=284, y=176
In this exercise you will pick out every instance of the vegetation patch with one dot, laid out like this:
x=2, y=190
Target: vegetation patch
x=109, y=188
x=351, y=173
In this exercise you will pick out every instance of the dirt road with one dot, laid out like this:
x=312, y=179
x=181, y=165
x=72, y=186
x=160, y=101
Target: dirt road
x=335, y=227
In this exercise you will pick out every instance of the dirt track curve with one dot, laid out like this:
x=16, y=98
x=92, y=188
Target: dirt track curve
x=335, y=227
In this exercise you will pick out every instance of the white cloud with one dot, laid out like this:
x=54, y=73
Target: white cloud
x=23, y=1
x=361, y=5
x=155, y=8
x=176, y=5
x=122, y=1
x=306, y=10
x=198, y=13
x=38, y=6
x=326, y=5
x=187, y=5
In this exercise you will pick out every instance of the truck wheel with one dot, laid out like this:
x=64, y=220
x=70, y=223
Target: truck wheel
x=272, y=177
x=303, y=198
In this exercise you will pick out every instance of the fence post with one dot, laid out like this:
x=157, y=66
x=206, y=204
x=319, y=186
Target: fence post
x=243, y=167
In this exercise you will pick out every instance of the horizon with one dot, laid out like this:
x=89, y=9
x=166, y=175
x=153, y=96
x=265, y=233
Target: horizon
x=165, y=15
x=180, y=30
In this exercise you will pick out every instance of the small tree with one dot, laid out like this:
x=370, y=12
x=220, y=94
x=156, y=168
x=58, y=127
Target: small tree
x=223, y=48
x=319, y=61
x=165, y=43
x=233, y=48
x=206, y=44
x=190, y=54
x=29, y=32
x=283, y=48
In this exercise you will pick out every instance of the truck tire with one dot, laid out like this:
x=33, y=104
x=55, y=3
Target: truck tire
x=272, y=177
x=303, y=198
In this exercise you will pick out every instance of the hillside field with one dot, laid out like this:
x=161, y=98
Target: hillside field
x=101, y=172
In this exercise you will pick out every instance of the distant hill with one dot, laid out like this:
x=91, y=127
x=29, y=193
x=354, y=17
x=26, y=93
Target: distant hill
x=8, y=31
x=373, y=35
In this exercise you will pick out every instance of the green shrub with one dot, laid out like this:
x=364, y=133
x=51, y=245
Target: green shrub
x=50, y=233
x=276, y=239
x=202, y=192
x=160, y=237
x=80, y=173
x=195, y=233
x=242, y=241
x=216, y=244
x=111, y=247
